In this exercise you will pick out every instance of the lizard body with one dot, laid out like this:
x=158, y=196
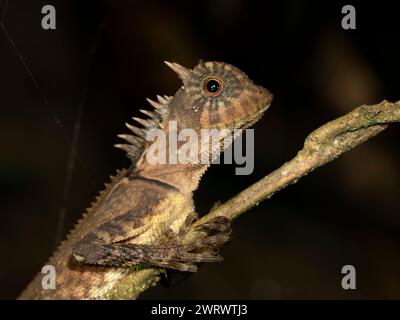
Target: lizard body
x=142, y=215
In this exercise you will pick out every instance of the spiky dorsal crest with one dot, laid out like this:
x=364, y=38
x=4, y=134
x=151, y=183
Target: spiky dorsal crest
x=137, y=141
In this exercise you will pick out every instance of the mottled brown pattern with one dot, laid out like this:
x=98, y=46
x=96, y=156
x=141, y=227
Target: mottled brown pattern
x=143, y=214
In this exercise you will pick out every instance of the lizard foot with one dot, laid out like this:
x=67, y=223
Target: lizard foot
x=176, y=255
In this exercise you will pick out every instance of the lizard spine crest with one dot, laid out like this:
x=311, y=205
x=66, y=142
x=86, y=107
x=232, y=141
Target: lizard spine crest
x=136, y=142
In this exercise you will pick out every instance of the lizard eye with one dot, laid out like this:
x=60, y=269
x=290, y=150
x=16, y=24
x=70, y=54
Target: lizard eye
x=213, y=86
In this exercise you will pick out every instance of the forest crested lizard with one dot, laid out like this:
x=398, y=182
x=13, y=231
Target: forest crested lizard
x=142, y=216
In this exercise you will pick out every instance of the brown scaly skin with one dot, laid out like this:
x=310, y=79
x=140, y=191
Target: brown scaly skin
x=143, y=214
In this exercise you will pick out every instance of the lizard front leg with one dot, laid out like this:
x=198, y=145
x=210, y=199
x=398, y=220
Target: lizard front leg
x=174, y=254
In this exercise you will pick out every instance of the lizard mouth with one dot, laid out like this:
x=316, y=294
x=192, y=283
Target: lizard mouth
x=263, y=100
x=257, y=116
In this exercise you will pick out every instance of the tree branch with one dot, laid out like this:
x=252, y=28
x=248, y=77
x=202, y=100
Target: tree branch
x=322, y=146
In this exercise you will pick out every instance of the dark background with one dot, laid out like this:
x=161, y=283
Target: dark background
x=105, y=57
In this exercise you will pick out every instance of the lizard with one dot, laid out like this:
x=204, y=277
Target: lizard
x=145, y=212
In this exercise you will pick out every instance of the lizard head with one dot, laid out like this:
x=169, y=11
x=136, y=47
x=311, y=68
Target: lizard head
x=219, y=95
x=214, y=95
